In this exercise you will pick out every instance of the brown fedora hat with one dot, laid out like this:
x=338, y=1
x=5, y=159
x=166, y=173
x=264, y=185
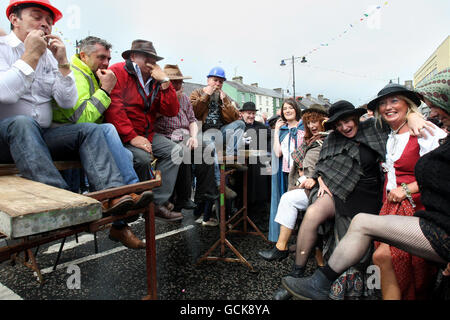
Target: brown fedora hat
x=142, y=46
x=174, y=73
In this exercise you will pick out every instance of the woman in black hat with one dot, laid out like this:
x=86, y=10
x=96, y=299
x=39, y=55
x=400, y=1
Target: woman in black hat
x=425, y=235
x=402, y=275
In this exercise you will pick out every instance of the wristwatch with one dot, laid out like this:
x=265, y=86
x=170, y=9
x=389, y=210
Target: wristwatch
x=166, y=79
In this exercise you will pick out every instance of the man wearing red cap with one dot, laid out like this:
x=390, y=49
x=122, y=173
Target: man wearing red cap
x=34, y=71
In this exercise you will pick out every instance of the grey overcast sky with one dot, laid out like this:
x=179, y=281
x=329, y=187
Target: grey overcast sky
x=249, y=38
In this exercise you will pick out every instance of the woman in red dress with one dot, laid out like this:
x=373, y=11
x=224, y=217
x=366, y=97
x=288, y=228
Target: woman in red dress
x=403, y=276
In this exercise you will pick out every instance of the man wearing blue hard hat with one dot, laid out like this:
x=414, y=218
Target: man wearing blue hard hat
x=215, y=109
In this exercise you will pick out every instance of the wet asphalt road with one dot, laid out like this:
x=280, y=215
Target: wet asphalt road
x=118, y=273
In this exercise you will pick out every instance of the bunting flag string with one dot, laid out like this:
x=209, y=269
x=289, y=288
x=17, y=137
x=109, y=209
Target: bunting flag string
x=344, y=72
x=352, y=26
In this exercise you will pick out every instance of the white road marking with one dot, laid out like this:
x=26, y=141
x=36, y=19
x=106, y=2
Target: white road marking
x=7, y=294
x=112, y=251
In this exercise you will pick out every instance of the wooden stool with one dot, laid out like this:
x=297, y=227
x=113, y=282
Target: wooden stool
x=231, y=224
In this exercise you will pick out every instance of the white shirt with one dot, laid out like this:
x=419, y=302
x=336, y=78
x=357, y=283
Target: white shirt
x=24, y=91
x=146, y=86
x=396, y=145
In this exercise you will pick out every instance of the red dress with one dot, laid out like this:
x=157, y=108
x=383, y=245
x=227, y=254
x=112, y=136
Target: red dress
x=414, y=275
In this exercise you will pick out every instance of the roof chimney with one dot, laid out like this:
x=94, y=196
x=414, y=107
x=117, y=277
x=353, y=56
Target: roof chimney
x=308, y=96
x=320, y=97
x=254, y=85
x=239, y=79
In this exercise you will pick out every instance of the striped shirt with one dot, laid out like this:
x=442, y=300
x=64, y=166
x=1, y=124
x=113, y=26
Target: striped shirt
x=176, y=128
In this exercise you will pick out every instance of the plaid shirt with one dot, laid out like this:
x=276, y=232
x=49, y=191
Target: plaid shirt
x=176, y=128
x=339, y=162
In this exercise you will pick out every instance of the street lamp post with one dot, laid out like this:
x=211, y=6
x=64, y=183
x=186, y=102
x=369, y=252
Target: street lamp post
x=283, y=63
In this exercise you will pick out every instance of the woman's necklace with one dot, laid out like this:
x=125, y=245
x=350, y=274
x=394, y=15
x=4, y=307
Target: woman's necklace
x=394, y=138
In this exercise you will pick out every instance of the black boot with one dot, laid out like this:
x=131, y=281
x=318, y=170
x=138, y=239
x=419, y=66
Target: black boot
x=297, y=271
x=316, y=287
x=282, y=294
x=274, y=254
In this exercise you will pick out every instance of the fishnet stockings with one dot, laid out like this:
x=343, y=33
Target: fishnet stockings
x=398, y=231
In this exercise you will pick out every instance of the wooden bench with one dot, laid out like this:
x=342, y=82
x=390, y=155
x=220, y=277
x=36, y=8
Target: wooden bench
x=37, y=214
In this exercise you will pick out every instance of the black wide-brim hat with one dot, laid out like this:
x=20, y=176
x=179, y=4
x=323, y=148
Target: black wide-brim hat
x=393, y=89
x=340, y=110
x=248, y=106
x=142, y=46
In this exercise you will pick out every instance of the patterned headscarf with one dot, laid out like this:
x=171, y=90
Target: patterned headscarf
x=437, y=90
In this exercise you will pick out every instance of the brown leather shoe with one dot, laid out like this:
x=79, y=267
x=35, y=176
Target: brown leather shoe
x=170, y=206
x=165, y=214
x=142, y=200
x=126, y=237
x=118, y=205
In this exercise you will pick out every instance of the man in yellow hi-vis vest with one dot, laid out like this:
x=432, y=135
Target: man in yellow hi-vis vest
x=95, y=83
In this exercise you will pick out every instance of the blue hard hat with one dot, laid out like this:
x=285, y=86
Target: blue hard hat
x=217, y=72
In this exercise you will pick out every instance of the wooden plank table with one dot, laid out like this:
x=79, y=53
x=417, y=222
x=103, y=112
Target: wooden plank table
x=37, y=214
x=28, y=208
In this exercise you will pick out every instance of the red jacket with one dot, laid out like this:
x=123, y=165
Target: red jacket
x=129, y=112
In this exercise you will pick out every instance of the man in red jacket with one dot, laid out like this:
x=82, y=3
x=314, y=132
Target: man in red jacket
x=142, y=91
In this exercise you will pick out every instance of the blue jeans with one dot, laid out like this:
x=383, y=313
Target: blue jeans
x=34, y=149
x=122, y=156
x=235, y=132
